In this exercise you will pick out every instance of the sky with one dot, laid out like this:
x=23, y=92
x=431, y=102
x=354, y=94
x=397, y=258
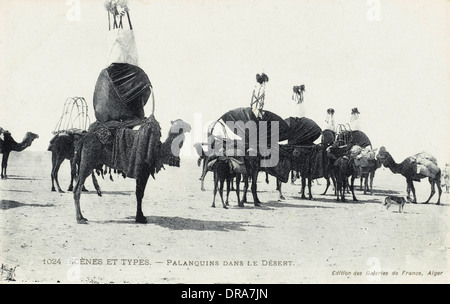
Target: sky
x=390, y=59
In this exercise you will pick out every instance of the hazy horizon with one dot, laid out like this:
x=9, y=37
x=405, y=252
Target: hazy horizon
x=202, y=58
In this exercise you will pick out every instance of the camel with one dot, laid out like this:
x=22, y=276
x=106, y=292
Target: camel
x=223, y=171
x=414, y=168
x=367, y=175
x=62, y=147
x=343, y=168
x=8, y=144
x=144, y=156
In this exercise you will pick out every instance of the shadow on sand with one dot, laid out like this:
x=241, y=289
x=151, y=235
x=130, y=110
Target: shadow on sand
x=18, y=177
x=381, y=192
x=181, y=223
x=332, y=200
x=8, y=204
x=282, y=204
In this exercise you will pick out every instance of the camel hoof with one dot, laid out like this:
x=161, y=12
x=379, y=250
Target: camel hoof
x=141, y=219
x=282, y=197
x=225, y=207
x=60, y=191
x=53, y=190
x=82, y=221
x=203, y=189
x=213, y=206
x=257, y=204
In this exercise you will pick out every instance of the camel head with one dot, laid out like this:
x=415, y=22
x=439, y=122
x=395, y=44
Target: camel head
x=29, y=137
x=170, y=149
x=383, y=155
x=199, y=148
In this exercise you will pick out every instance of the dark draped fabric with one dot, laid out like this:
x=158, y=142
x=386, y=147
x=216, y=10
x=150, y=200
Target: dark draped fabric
x=121, y=92
x=303, y=131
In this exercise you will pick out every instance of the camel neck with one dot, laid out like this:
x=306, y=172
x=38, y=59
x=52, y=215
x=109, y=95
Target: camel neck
x=391, y=164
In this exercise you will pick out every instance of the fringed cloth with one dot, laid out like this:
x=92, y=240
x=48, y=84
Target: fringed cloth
x=236, y=163
x=137, y=150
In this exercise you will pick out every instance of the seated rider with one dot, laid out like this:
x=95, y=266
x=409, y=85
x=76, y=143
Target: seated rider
x=258, y=96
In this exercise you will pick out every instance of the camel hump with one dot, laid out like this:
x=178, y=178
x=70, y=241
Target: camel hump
x=426, y=164
x=424, y=157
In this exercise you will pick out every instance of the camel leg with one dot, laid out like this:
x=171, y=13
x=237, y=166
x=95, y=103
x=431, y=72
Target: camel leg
x=344, y=189
x=216, y=183
x=433, y=191
x=309, y=188
x=256, y=201
x=411, y=189
x=52, y=174
x=327, y=178
x=372, y=176
x=238, y=181
x=82, y=175
x=4, y=164
x=279, y=189
x=229, y=183
x=303, y=187
x=352, y=188
x=141, y=183
x=58, y=163
x=204, y=171
x=72, y=175
x=338, y=189
x=96, y=186
x=244, y=193
x=221, y=183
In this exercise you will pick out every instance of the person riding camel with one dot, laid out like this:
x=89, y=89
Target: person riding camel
x=297, y=96
x=330, y=125
x=259, y=94
x=354, y=120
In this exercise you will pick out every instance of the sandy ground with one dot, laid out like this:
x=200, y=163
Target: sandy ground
x=187, y=241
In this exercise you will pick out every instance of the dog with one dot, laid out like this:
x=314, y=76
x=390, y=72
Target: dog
x=396, y=200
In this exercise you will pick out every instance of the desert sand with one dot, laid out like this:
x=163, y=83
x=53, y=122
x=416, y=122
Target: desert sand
x=187, y=241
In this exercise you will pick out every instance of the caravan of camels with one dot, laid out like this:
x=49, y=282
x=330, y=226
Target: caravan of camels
x=240, y=144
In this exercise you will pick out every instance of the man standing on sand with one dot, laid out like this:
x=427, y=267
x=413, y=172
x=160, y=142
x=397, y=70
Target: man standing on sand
x=445, y=174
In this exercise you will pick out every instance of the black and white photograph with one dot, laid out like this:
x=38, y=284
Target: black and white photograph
x=224, y=142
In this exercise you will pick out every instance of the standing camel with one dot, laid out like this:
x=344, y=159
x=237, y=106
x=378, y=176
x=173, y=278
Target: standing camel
x=137, y=153
x=224, y=171
x=367, y=175
x=414, y=168
x=343, y=168
x=8, y=144
x=62, y=147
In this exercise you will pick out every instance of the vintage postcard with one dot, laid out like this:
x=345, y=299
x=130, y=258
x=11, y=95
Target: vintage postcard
x=238, y=141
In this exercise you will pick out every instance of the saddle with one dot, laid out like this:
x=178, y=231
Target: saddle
x=106, y=131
